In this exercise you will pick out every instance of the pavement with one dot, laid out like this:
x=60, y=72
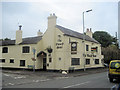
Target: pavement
x=51, y=74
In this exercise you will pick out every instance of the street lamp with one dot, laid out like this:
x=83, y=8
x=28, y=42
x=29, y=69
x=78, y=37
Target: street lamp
x=84, y=38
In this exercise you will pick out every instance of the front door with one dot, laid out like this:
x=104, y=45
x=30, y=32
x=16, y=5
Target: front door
x=44, y=64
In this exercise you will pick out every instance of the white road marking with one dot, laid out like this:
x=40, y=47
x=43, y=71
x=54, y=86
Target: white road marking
x=76, y=84
x=61, y=77
x=35, y=80
x=19, y=77
x=44, y=80
x=10, y=83
x=6, y=75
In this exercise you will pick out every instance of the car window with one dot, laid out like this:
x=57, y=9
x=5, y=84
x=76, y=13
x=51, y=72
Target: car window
x=115, y=65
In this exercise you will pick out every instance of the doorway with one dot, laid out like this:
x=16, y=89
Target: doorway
x=44, y=64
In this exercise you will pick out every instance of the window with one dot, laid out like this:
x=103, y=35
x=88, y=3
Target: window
x=26, y=49
x=87, y=61
x=50, y=59
x=75, y=61
x=11, y=60
x=22, y=62
x=5, y=50
x=2, y=60
x=96, y=61
x=96, y=49
x=87, y=47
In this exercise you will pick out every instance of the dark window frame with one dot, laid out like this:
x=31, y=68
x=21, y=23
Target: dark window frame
x=96, y=49
x=2, y=60
x=26, y=49
x=87, y=47
x=87, y=61
x=22, y=63
x=75, y=61
x=5, y=50
x=97, y=61
x=50, y=60
x=11, y=60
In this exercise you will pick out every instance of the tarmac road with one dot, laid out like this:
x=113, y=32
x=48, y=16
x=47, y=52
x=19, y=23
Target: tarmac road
x=98, y=80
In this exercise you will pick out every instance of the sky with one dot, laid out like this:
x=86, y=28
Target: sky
x=32, y=15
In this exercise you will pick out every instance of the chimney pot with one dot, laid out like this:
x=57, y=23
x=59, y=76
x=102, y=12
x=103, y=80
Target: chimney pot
x=89, y=32
x=50, y=14
x=87, y=29
x=53, y=14
x=39, y=33
x=91, y=29
x=20, y=26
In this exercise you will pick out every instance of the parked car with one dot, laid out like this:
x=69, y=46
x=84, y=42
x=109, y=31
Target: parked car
x=114, y=70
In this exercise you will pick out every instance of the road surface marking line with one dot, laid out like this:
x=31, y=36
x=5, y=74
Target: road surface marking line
x=6, y=75
x=76, y=84
x=45, y=80
x=10, y=83
x=19, y=77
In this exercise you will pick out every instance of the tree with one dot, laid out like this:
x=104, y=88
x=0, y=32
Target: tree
x=110, y=53
x=103, y=38
x=7, y=39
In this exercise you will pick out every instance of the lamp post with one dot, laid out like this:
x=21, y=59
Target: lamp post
x=84, y=38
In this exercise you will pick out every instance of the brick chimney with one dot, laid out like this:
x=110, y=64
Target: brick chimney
x=19, y=35
x=89, y=32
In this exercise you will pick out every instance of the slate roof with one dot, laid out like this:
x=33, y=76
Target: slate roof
x=75, y=34
x=30, y=40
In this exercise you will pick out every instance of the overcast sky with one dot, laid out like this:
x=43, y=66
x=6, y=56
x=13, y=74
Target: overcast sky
x=33, y=16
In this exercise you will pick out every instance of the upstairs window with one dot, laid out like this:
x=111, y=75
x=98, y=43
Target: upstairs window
x=50, y=59
x=87, y=47
x=26, y=49
x=94, y=49
x=5, y=50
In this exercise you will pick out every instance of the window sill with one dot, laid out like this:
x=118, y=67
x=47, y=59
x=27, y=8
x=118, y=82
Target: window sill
x=75, y=65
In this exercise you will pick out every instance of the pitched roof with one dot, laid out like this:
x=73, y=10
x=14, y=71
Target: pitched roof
x=75, y=34
x=30, y=40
